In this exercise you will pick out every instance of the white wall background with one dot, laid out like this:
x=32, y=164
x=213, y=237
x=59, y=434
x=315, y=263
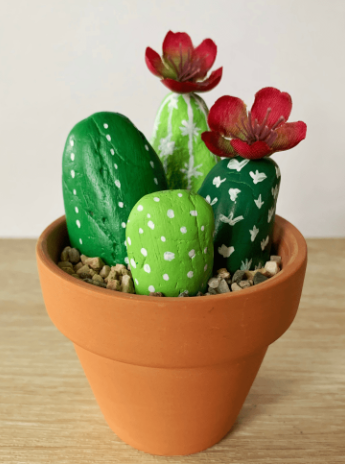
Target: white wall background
x=62, y=60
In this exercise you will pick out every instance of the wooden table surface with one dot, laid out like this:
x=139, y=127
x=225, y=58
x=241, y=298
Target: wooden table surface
x=294, y=413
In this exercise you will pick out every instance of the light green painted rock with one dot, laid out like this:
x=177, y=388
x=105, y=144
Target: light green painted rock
x=107, y=166
x=180, y=121
x=243, y=194
x=170, y=243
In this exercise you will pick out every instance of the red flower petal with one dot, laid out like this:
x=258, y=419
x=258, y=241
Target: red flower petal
x=289, y=135
x=205, y=54
x=176, y=47
x=218, y=144
x=279, y=102
x=226, y=114
x=187, y=87
x=256, y=150
x=154, y=62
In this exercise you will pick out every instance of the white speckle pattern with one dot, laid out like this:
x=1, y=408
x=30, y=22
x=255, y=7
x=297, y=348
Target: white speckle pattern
x=129, y=241
x=253, y=233
x=180, y=195
x=152, y=164
x=205, y=267
x=80, y=241
x=169, y=256
x=78, y=223
x=183, y=230
x=217, y=181
x=76, y=209
x=191, y=254
x=133, y=264
x=126, y=260
x=170, y=213
x=257, y=176
x=205, y=250
x=112, y=151
x=74, y=192
x=155, y=180
x=151, y=225
x=136, y=281
x=71, y=142
x=140, y=207
x=190, y=274
x=151, y=288
x=108, y=137
x=264, y=243
x=120, y=204
x=233, y=192
x=147, y=147
x=118, y=183
x=72, y=156
x=105, y=126
x=163, y=238
x=203, y=228
x=141, y=231
x=225, y=251
x=73, y=174
x=156, y=199
x=147, y=268
x=194, y=213
x=143, y=251
x=123, y=224
x=165, y=277
x=148, y=215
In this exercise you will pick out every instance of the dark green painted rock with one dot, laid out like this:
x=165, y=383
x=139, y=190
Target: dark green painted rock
x=108, y=165
x=243, y=194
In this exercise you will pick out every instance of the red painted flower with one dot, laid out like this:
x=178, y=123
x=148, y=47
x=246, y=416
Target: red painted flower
x=259, y=133
x=183, y=68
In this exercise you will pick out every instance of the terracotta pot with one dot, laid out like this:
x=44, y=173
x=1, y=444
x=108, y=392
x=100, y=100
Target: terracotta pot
x=171, y=374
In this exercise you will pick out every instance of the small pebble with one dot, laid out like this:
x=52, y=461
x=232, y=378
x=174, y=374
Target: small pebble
x=84, y=270
x=68, y=270
x=65, y=254
x=156, y=294
x=259, y=278
x=83, y=258
x=95, y=263
x=245, y=284
x=235, y=287
x=238, y=276
x=213, y=282
x=62, y=264
x=97, y=278
x=272, y=267
x=114, y=285
x=183, y=294
x=104, y=272
x=74, y=255
x=76, y=276
x=127, y=285
x=78, y=266
x=212, y=291
x=223, y=273
x=223, y=287
x=199, y=294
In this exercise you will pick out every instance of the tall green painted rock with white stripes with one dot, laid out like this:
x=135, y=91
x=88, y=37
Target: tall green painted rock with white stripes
x=243, y=194
x=107, y=166
x=180, y=121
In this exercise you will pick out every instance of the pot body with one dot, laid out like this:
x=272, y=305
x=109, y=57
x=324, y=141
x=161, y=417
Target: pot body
x=171, y=374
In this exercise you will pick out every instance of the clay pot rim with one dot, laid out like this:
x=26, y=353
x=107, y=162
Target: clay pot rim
x=296, y=261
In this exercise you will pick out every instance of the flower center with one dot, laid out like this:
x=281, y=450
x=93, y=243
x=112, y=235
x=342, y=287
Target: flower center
x=254, y=132
x=186, y=70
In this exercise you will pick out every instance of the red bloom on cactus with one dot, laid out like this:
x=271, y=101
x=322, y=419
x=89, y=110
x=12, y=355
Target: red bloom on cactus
x=259, y=133
x=183, y=68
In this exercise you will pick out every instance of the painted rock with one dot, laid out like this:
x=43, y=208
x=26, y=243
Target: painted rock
x=108, y=165
x=170, y=243
x=243, y=194
x=176, y=138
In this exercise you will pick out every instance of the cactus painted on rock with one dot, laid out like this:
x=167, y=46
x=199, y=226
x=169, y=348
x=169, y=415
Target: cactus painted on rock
x=176, y=138
x=243, y=194
x=170, y=243
x=108, y=165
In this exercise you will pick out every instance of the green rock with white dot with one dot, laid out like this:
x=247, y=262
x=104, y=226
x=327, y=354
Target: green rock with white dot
x=243, y=194
x=170, y=243
x=108, y=165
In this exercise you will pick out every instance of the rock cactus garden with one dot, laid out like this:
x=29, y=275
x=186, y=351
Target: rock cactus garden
x=194, y=213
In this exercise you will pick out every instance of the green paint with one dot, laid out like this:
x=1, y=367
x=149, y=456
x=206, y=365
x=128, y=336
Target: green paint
x=107, y=166
x=170, y=243
x=243, y=195
x=180, y=121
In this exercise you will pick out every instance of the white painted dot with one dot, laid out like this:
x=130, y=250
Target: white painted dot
x=76, y=209
x=147, y=268
x=74, y=192
x=108, y=137
x=183, y=230
x=112, y=152
x=203, y=228
x=152, y=164
x=133, y=263
x=143, y=251
x=156, y=199
x=151, y=288
x=72, y=156
x=126, y=260
x=120, y=204
x=123, y=224
x=140, y=208
x=118, y=183
x=105, y=126
x=151, y=225
x=193, y=213
x=205, y=267
x=116, y=166
x=71, y=142
x=147, y=147
x=78, y=223
x=136, y=281
x=169, y=256
x=180, y=195
x=205, y=250
x=148, y=215
x=191, y=254
x=141, y=231
x=73, y=174
x=170, y=213
x=80, y=241
x=190, y=274
x=165, y=277
x=155, y=180
x=129, y=241
x=163, y=238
